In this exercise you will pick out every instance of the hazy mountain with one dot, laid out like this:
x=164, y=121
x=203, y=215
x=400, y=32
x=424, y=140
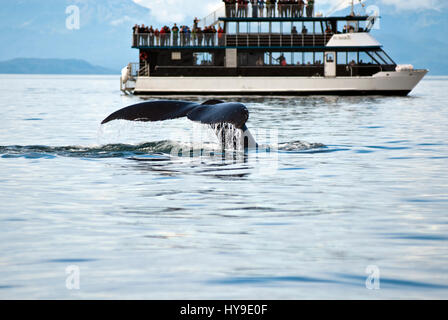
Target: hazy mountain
x=52, y=66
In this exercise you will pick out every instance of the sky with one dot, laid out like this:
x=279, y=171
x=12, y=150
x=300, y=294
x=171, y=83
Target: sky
x=412, y=31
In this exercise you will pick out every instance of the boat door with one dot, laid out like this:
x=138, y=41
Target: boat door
x=330, y=64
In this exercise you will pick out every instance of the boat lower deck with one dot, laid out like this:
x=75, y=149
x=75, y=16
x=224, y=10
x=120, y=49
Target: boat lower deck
x=382, y=83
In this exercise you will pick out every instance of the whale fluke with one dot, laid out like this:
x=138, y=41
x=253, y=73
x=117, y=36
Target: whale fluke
x=212, y=112
x=152, y=111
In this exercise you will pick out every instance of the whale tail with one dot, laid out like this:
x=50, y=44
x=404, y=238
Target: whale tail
x=227, y=119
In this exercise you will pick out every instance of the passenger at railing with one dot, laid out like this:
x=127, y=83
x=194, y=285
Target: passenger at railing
x=194, y=36
x=221, y=36
x=294, y=30
x=344, y=30
x=301, y=5
x=151, y=36
x=206, y=32
x=254, y=4
x=182, y=35
x=188, y=35
x=281, y=8
x=213, y=35
x=328, y=30
x=175, y=31
x=260, y=8
x=199, y=35
x=304, y=30
x=291, y=10
x=246, y=8
x=239, y=12
x=310, y=8
x=141, y=30
x=146, y=36
x=168, y=35
x=162, y=37
x=259, y=62
x=270, y=5
x=232, y=4
x=209, y=36
x=157, y=36
x=135, y=35
x=227, y=6
x=294, y=7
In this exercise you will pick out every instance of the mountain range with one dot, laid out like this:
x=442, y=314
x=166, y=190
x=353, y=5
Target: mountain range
x=52, y=66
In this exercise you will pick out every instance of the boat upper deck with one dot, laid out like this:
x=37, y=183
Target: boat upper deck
x=288, y=27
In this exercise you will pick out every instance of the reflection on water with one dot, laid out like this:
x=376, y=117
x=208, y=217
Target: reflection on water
x=353, y=182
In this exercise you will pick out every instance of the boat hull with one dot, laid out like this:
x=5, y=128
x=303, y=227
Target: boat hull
x=382, y=83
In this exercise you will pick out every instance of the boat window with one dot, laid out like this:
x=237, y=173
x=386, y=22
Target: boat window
x=342, y=58
x=231, y=28
x=296, y=26
x=352, y=57
x=254, y=27
x=275, y=27
x=318, y=58
x=264, y=28
x=243, y=27
x=364, y=58
x=385, y=57
x=330, y=57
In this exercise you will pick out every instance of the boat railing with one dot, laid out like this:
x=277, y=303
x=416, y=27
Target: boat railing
x=231, y=40
x=138, y=69
x=213, y=18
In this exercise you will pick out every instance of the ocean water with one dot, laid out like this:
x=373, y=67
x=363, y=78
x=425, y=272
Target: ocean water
x=350, y=202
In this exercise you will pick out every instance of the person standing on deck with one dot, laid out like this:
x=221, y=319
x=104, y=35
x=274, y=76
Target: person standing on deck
x=301, y=6
x=199, y=35
x=151, y=36
x=188, y=35
x=182, y=35
x=310, y=8
x=135, y=35
x=167, y=36
x=162, y=36
x=213, y=35
x=254, y=8
x=246, y=8
x=239, y=12
x=295, y=8
x=157, y=35
x=227, y=5
x=260, y=7
x=175, y=31
x=141, y=31
x=205, y=31
x=274, y=2
x=193, y=36
x=221, y=36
